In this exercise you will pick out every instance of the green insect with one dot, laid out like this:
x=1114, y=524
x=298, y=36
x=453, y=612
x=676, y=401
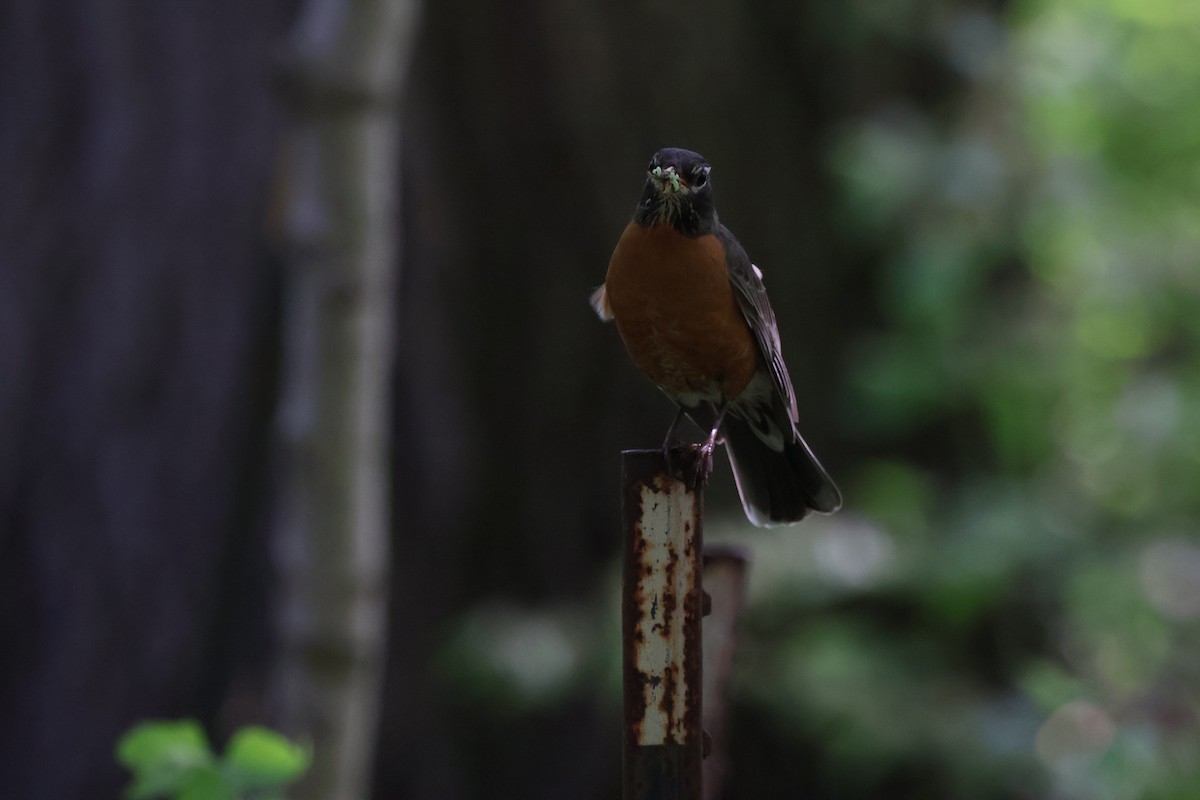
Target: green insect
x=672, y=176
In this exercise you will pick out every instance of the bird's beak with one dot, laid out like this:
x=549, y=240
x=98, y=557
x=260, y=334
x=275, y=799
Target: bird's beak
x=667, y=180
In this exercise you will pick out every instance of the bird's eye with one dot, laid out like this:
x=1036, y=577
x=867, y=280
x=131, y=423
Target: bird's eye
x=701, y=177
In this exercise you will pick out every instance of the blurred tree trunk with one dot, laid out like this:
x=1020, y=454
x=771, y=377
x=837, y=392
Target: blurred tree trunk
x=338, y=176
x=137, y=367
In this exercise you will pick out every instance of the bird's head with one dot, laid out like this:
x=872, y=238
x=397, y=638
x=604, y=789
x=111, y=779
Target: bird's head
x=678, y=193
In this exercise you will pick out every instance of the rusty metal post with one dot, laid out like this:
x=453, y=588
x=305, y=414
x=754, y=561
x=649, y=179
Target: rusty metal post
x=662, y=603
x=725, y=573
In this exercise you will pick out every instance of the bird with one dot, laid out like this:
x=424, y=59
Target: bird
x=693, y=313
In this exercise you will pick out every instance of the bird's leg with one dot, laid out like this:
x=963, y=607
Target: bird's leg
x=704, y=461
x=669, y=442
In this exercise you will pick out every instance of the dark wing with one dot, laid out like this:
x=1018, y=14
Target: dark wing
x=756, y=308
x=778, y=483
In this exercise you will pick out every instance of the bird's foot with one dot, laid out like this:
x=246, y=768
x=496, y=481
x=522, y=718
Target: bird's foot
x=699, y=466
x=703, y=463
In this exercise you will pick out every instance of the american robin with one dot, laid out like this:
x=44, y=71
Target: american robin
x=693, y=314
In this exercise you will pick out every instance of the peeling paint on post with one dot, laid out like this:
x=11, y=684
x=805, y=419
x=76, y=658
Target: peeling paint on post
x=661, y=610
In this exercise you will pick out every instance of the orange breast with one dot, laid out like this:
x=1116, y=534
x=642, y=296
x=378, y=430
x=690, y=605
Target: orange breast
x=677, y=314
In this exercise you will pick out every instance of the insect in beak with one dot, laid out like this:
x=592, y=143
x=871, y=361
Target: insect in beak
x=669, y=175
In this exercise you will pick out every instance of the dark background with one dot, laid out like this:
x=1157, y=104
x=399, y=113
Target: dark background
x=977, y=222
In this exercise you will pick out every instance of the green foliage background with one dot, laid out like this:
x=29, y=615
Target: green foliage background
x=175, y=760
x=1009, y=605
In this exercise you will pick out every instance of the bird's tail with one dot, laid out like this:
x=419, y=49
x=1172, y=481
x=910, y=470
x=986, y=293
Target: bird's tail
x=777, y=487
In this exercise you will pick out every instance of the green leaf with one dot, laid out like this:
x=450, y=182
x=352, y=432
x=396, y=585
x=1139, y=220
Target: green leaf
x=258, y=758
x=162, y=756
x=152, y=743
x=206, y=783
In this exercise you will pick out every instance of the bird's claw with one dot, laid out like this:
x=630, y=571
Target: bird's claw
x=704, y=464
x=693, y=464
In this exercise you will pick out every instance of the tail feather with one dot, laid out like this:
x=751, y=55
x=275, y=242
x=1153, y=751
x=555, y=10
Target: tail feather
x=777, y=488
